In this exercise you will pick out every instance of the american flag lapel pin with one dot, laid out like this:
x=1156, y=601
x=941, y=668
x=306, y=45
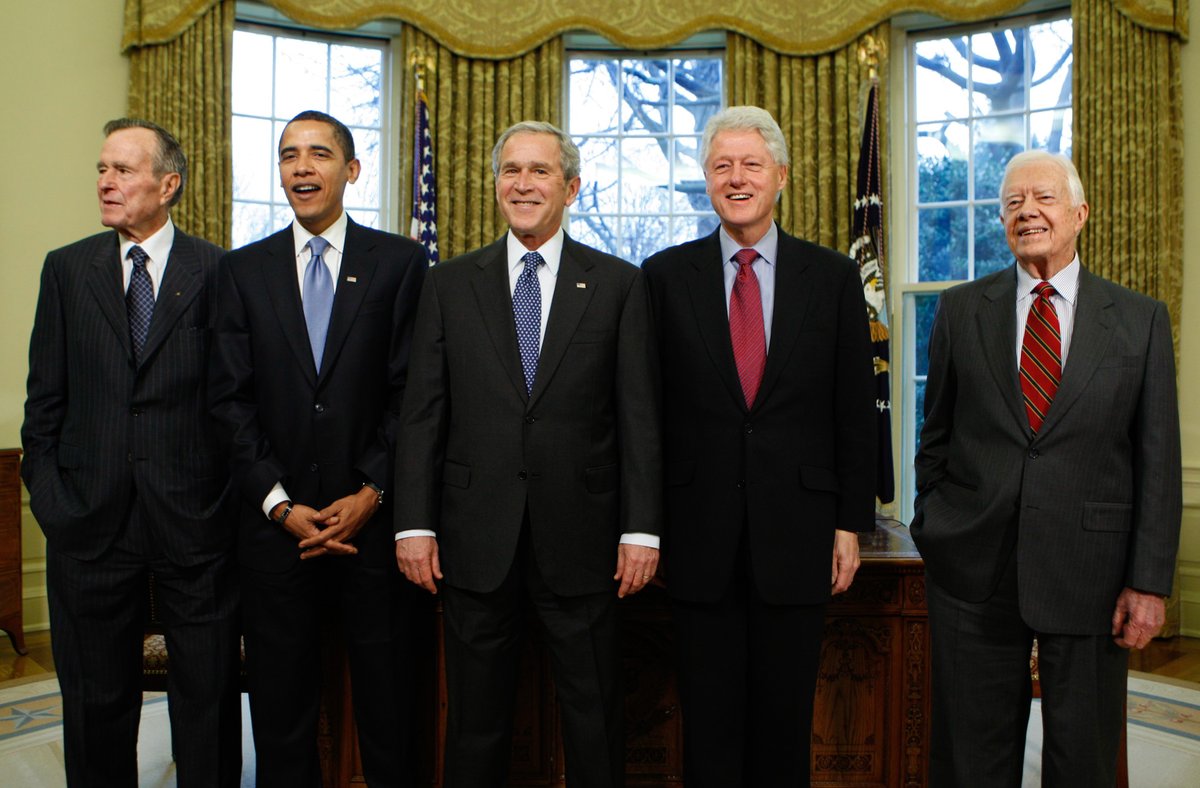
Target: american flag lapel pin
x=352, y=279
x=581, y=285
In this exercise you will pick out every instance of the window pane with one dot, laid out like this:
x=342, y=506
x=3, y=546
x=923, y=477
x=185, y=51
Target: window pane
x=251, y=221
x=300, y=68
x=365, y=218
x=996, y=141
x=365, y=191
x=252, y=64
x=690, y=194
x=645, y=175
x=688, y=228
x=1053, y=61
x=991, y=248
x=998, y=71
x=593, y=96
x=254, y=169
x=600, y=170
x=924, y=309
x=697, y=94
x=942, y=236
x=596, y=231
x=647, y=85
x=919, y=411
x=1051, y=130
x=941, y=78
x=642, y=236
x=942, y=162
x=355, y=85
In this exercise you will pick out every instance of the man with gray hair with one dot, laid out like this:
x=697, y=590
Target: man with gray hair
x=528, y=465
x=769, y=413
x=126, y=476
x=1048, y=495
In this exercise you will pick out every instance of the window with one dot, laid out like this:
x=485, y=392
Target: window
x=279, y=72
x=638, y=122
x=975, y=97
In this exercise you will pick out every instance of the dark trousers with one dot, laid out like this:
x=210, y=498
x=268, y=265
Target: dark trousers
x=97, y=621
x=286, y=615
x=982, y=691
x=483, y=651
x=747, y=677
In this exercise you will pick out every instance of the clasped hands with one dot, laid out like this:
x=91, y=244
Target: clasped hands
x=329, y=531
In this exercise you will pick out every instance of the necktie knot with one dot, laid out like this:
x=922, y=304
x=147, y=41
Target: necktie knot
x=318, y=245
x=531, y=260
x=137, y=255
x=744, y=258
x=1044, y=290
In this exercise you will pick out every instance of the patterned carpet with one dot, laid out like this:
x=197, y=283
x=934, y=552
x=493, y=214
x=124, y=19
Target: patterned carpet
x=1164, y=736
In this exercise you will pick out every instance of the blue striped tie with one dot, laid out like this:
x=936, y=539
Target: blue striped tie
x=139, y=301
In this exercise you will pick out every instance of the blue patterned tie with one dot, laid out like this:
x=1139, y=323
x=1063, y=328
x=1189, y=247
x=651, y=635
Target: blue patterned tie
x=527, y=312
x=318, y=298
x=139, y=301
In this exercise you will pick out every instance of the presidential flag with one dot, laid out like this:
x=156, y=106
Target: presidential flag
x=424, y=211
x=868, y=251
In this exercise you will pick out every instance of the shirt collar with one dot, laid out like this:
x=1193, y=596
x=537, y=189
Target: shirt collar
x=157, y=246
x=551, y=251
x=767, y=246
x=335, y=234
x=1065, y=282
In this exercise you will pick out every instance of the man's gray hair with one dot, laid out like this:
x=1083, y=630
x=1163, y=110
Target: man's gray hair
x=569, y=151
x=1027, y=157
x=745, y=119
x=168, y=158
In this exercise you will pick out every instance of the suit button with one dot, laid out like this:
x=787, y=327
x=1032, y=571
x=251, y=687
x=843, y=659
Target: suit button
x=319, y=408
x=135, y=411
x=313, y=467
x=741, y=485
x=530, y=419
x=522, y=475
x=1034, y=453
x=748, y=428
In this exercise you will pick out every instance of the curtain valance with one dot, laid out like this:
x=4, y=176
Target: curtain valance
x=492, y=29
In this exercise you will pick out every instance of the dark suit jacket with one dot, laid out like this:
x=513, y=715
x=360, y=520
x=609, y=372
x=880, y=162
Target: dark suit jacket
x=322, y=434
x=1093, y=502
x=582, y=452
x=97, y=426
x=804, y=455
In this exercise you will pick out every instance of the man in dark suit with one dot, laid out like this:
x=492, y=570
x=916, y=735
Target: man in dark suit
x=769, y=460
x=529, y=465
x=125, y=476
x=311, y=356
x=1048, y=495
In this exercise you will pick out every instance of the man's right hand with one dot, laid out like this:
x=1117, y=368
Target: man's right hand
x=417, y=557
x=302, y=524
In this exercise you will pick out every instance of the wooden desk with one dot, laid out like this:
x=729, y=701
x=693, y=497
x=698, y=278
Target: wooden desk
x=871, y=716
x=10, y=548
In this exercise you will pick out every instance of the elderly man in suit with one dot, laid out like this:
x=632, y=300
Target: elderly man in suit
x=769, y=460
x=1048, y=495
x=312, y=352
x=529, y=465
x=125, y=476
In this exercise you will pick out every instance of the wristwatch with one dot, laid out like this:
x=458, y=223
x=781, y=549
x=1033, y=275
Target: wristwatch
x=377, y=490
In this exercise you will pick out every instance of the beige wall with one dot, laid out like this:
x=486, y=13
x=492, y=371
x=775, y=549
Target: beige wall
x=65, y=93
x=63, y=78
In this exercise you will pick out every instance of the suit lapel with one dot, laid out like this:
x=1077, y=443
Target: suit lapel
x=1090, y=336
x=997, y=324
x=791, y=306
x=180, y=286
x=359, y=259
x=706, y=287
x=495, y=306
x=283, y=290
x=566, y=310
x=105, y=279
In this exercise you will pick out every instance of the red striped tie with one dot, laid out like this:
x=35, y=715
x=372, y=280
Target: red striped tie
x=746, y=326
x=1041, y=356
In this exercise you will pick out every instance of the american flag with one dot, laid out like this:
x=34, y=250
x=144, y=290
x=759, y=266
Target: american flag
x=424, y=211
x=868, y=251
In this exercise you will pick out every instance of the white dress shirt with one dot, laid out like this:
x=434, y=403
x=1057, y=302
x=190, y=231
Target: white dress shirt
x=1066, y=290
x=158, y=248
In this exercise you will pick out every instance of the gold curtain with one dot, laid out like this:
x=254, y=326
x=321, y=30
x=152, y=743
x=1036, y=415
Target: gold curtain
x=486, y=28
x=471, y=101
x=183, y=85
x=1128, y=146
x=818, y=101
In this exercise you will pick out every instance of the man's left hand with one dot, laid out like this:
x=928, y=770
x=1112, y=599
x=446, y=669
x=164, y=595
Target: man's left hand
x=342, y=520
x=845, y=560
x=635, y=567
x=1138, y=618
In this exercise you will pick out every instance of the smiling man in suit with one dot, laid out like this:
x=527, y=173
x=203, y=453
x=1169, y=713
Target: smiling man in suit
x=770, y=472
x=1048, y=495
x=126, y=477
x=312, y=352
x=529, y=465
